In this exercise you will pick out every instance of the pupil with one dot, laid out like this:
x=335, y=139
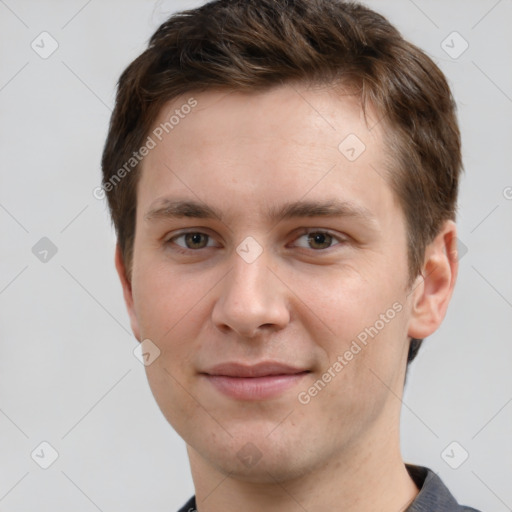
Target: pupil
x=320, y=239
x=195, y=239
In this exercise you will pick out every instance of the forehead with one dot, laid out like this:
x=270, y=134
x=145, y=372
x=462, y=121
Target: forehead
x=311, y=116
x=266, y=147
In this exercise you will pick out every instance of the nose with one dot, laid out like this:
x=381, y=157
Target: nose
x=252, y=299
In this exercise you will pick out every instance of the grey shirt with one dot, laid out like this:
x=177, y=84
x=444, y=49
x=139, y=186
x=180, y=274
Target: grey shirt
x=433, y=495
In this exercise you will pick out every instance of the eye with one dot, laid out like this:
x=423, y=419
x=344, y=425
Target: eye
x=317, y=240
x=193, y=240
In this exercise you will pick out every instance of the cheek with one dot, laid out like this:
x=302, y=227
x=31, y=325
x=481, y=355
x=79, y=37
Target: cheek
x=363, y=321
x=364, y=361
x=170, y=309
x=165, y=299
x=346, y=300
x=170, y=388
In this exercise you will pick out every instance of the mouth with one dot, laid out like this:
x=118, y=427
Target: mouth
x=261, y=381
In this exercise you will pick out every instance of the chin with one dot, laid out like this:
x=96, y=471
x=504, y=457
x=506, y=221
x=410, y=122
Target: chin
x=264, y=471
x=260, y=461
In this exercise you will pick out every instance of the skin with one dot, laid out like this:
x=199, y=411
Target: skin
x=299, y=302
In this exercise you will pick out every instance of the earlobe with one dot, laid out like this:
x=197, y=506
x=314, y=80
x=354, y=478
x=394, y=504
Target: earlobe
x=127, y=291
x=434, y=288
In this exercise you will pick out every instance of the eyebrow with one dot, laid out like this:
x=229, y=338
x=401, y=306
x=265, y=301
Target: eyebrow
x=169, y=209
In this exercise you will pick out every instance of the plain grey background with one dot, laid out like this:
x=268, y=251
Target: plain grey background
x=68, y=375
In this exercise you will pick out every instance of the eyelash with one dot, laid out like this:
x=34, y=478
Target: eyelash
x=184, y=250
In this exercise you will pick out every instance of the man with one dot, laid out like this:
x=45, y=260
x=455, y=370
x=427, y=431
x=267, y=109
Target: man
x=283, y=176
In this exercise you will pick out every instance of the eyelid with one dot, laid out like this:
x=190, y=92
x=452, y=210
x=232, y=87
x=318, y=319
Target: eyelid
x=340, y=238
x=184, y=232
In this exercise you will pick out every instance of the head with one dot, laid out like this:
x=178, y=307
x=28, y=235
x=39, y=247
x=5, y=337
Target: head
x=236, y=111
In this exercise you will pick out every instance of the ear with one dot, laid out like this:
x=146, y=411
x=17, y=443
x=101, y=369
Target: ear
x=433, y=289
x=127, y=291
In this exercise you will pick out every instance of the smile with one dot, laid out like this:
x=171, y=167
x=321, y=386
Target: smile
x=254, y=388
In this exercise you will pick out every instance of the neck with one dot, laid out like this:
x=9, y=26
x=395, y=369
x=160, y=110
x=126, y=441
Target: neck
x=369, y=475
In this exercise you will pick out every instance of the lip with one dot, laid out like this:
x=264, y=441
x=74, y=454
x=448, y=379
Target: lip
x=262, y=369
x=260, y=381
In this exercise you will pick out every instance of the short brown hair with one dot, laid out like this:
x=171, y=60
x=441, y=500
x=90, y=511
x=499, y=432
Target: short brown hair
x=253, y=45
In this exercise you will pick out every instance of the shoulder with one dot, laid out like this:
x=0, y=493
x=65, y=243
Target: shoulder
x=190, y=506
x=433, y=495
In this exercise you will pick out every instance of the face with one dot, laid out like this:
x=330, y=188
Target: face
x=270, y=270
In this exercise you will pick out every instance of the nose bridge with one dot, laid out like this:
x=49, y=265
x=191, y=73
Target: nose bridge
x=251, y=296
x=249, y=277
